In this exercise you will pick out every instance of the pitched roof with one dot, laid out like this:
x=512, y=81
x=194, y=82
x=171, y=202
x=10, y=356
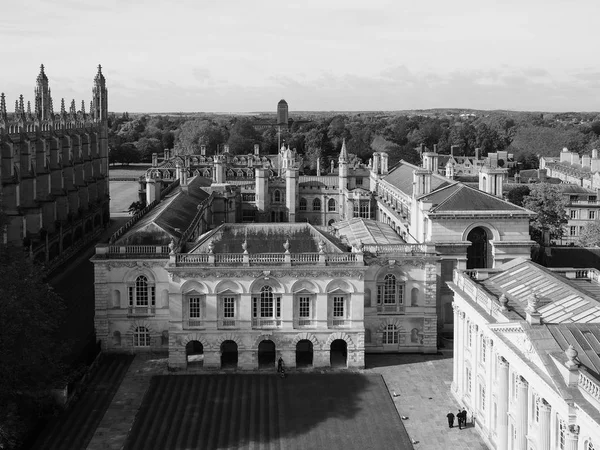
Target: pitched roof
x=585, y=338
x=366, y=231
x=401, y=177
x=459, y=197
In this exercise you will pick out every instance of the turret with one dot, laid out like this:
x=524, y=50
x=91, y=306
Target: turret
x=291, y=183
x=3, y=114
x=421, y=182
x=343, y=178
x=450, y=170
x=384, y=163
x=261, y=182
x=491, y=180
x=430, y=161
x=100, y=96
x=219, y=170
x=42, y=96
x=376, y=164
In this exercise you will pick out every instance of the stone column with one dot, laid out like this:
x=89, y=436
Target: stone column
x=572, y=437
x=461, y=353
x=455, y=348
x=521, y=414
x=502, y=405
x=543, y=438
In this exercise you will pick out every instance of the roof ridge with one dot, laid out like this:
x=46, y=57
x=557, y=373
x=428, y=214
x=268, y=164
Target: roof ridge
x=456, y=184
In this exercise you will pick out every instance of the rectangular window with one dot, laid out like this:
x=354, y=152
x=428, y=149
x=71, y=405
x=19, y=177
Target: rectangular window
x=195, y=305
x=364, y=209
x=359, y=181
x=228, y=307
x=483, y=349
x=338, y=306
x=573, y=214
x=573, y=231
x=304, y=305
x=592, y=214
x=468, y=380
x=482, y=397
x=562, y=429
x=469, y=336
x=266, y=307
x=592, y=199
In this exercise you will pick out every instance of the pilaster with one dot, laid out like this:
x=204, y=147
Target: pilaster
x=502, y=405
x=521, y=414
x=543, y=438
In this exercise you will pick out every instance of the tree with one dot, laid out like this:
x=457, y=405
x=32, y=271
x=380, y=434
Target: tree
x=126, y=153
x=242, y=137
x=548, y=202
x=147, y=146
x=590, y=236
x=517, y=194
x=31, y=350
x=194, y=133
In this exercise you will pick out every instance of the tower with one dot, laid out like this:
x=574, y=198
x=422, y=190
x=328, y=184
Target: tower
x=291, y=183
x=42, y=96
x=282, y=113
x=100, y=96
x=343, y=178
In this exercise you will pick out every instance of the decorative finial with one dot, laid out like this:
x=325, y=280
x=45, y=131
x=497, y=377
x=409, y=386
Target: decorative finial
x=211, y=247
x=321, y=246
x=21, y=104
x=245, y=246
x=28, y=108
x=172, y=247
x=286, y=245
x=51, y=104
x=503, y=302
x=17, y=107
x=571, y=353
x=82, y=107
x=73, y=109
x=343, y=152
x=532, y=303
x=62, y=106
x=99, y=68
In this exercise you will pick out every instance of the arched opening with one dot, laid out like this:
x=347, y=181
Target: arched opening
x=338, y=353
x=478, y=251
x=316, y=204
x=414, y=296
x=266, y=355
x=331, y=222
x=229, y=355
x=331, y=205
x=194, y=353
x=304, y=353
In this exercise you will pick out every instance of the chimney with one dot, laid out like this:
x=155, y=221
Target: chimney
x=203, y=150
x=318, y=166
x=586, y=161
x=595, y=167
x=376, y=163
x=565, y=156
x=574, y=158
x=154, y=159
x=257, y=149
x=477, y=153
x=166, y=154
x=594, y=154
x=453, y=150
x=226, y=149
x=421, y=182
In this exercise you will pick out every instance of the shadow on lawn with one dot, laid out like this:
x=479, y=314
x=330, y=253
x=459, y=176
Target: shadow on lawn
x=399, y=359
x=350, y=411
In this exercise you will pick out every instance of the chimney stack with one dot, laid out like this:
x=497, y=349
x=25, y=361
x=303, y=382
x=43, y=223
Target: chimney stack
x=203, y=150
x=256, y=149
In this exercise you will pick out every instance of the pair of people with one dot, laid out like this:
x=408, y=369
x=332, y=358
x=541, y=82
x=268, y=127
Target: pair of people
x=461, y=416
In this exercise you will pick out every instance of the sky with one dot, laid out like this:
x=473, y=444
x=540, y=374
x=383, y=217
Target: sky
x=319, y=55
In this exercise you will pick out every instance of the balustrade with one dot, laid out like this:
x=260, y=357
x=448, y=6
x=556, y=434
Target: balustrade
x=141, y=311
x=391, y=309
x=266, y=322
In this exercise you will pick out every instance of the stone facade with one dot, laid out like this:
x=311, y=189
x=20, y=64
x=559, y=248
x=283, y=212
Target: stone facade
x=54, y=170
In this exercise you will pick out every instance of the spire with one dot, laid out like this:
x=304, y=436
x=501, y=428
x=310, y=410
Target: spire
x=42, y=76
x=82, y=107
x=62, y=106
x=21, y=105
x=2, y=107
x=91, y=106
x=16, y=107
x=343, y=152
x=73, y=109
x=51, y=107
x=28, y=107
x=99, y=79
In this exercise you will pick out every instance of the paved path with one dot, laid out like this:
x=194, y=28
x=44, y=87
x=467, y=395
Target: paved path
x=422, y=382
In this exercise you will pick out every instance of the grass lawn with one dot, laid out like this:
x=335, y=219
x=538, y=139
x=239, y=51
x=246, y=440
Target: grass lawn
x=263, y=411
x=123, y=194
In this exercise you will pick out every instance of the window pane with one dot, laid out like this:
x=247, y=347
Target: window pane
x=304, y=304
x=194, y=307
x=228, y=307
x=338, y=306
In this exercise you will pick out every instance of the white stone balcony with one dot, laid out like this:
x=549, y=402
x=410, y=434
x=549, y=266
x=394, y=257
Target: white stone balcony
x=195, y=323
x=266, y=322
x=228, y=323
x=394, y=308
x=141, y=311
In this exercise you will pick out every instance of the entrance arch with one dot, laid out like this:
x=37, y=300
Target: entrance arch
x=479, y=252
x=194, y=354
x=266, y=354
x=338, y=353
x=304, y=353
x=229, y=355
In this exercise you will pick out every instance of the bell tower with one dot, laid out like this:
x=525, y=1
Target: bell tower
x=100, y=96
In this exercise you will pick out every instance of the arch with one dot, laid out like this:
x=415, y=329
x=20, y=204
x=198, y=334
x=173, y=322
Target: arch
x=132, y=274
x=116, y=338
x=391, y=321
x=391, y=270
x=491, y=229
x=277, y=196
x=194, y=286
x=331, y=205
x=339, y=335
x=316, y=204
x=116, y=298
x=194, y=353
x=305, y=336
x=414, y=296
x=331, y=222
x=305, y=285
x=304, y=353
x=229, y=354
x=479, y=253
x=259, y=283
x=228, y=285
x=302, y=204
x=229, y=337
x=338, y=353
x=265, y=337
x=183, y=340
x=266, y=354
x=341, y=285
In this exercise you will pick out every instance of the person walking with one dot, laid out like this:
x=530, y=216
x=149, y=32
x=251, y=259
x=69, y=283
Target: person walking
x=279, y=364
x=464, y=417
x=450, y=417
x=459, y=418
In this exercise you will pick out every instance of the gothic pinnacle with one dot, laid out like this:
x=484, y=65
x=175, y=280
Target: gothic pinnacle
x=73, y=109
x=2, y=106
x=28, y=107
x=62, y=106
x=82, y=107
x=21, y=104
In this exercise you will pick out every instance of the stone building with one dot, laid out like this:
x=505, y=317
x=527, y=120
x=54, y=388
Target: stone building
x=241, y=259
x=527, y=355
x=54, y=170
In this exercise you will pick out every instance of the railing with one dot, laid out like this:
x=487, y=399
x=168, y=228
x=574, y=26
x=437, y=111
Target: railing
x=266, y=323
x=127, y=250
x=305, y=258
x=305, y=323
x=141, y=311
x=227, y=323
x=341, y=258
x=193, y=323
x=408, y=249
x=266, y=258
x=229, y=258
x=192, y=258
x=339, y=323
x=390, y=309
x=589, y=385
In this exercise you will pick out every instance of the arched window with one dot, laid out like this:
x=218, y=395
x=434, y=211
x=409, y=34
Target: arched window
x=414, y=296
x=277, y=196
x=331, y=205
x=316, y=204
x=390, y=334
x=390, y=295
x=141, y=337
x=142, y=297
x=478, y=253
x=302, y=204
x=266, y=308
x=589, y=445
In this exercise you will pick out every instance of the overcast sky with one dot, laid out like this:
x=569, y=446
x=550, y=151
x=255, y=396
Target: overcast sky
x=241, y=55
